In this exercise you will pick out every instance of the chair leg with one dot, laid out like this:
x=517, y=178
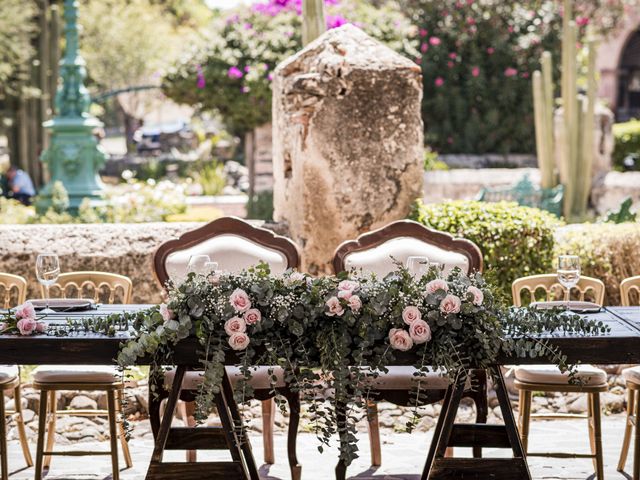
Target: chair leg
x=268, y=422
x=374, y=433
x=113, y=434
x=123, y=433
x=479, y=397
x=187, y=409
x=592, y=435
x=631, y=396
x=4, y=464
x=293, y=398
x=597, y=434
x=636, y=439
x=42, y=424
x=24, y=443
x=525, y=407
x=51, y=428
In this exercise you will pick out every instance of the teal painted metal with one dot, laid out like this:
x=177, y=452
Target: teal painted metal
x=526, y=193
x=74, y=156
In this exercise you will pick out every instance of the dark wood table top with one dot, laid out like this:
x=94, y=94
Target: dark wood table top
x=620, y=346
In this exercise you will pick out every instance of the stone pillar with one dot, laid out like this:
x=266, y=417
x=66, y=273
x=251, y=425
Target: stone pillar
x=347, y=141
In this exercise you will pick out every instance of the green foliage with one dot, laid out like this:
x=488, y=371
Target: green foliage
x=261, y=206
x=431, y=161
x=230, y=69
x=623, y=214
x=627, y=145
x=17, y=30
x=211, y=176
x=59, y=198
x=515, y=241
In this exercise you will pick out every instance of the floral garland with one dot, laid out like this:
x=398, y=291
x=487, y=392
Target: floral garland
x=23, y=320
x=339, y=333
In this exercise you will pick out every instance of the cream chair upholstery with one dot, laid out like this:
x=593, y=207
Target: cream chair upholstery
x=49, y=379
x=630, y=296
x=549, y=378
x=13, y=291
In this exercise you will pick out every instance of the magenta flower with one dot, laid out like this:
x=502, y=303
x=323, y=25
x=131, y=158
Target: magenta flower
x=453, y=55
x=270, y=77
x=434, y=41
x=491, y=50
x=450, y=64
x=424, y=47
x=423, y=32
x=510, y=72
x=235, y=72
x=248, y=26
x=582, y=21
x=439, y=82
x=200, y=83
x=247, y=69
x=335, y=21
x=475, y=71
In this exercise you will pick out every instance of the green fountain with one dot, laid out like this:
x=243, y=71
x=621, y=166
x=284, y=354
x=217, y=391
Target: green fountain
x=74, y=156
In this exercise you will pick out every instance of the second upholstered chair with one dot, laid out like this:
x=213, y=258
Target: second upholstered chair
x=630, y=296
x=13, y=291
x=235, y=245
x=549, y=378
x=376, y=252
x=49, y=379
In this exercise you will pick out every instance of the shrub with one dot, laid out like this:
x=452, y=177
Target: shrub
x=261, y=207
x=515, y=241
x=627, y=145
x=607, y=251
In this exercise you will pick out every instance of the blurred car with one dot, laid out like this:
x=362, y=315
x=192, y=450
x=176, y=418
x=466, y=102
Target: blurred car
x=164, y=137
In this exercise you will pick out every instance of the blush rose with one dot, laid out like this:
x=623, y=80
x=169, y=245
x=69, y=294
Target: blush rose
x=334, y=306
x=450, y=304
x=400, y=339
x=240, y=300
x=420, y=332
x=239, y=341
x=235, y=325
x=410, y=314
x=252, y=316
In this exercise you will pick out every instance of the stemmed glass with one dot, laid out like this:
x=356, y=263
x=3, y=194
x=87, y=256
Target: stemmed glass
x=418, y=266
x=568, y=274
x=198, y=264
x=47, y=271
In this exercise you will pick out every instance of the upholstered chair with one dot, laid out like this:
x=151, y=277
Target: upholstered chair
x=233, y=244
x=13, y=291
x=630, y=296
x=549, y=378
x=49, y=379
x=376, y=252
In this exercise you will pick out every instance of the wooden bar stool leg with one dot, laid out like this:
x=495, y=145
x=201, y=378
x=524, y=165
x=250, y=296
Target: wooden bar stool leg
x=591, y=426
x=113, y=433
x=51, y=428
x=268, y=422
x=627, y=429
x=123, y=434
x=4, y=464
x=636, y=438
x=24, y=443
x=526, y=418
x=374, y=433
x=597, y=430
x=187, y=410
x=42, y=424
x=293, y=398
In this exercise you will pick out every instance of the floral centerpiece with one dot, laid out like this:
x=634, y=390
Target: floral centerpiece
x=23, y=320
x=337, y=333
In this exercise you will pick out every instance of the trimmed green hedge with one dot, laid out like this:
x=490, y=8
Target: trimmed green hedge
x=515, y=241
x=627, y=142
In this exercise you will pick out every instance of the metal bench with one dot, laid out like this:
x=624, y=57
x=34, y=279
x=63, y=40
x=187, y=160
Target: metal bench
x=526, y=193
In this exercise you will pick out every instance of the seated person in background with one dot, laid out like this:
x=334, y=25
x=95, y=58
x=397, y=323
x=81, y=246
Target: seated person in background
x=20, y=186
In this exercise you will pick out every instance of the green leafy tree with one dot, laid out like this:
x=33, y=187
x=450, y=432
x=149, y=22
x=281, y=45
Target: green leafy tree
x=230, y=70
x=17, y=29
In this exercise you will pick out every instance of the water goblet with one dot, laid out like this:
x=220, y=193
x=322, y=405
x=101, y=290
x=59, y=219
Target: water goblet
x=568, y=274
x=417, y=266
x=47, y=271
x=198, y=264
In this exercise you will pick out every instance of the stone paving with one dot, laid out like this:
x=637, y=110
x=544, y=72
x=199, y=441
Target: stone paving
x=403, y=455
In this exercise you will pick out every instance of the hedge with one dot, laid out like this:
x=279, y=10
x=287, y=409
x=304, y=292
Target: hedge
x=609, y=252
x=515, y=241
x=627, y=143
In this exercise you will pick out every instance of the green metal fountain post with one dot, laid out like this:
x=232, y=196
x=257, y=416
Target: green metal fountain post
x=74, y=156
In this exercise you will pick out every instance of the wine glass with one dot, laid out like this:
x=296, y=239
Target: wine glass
x=198, y=264
x=568, y=273
x=47, y=271
x=418, y=266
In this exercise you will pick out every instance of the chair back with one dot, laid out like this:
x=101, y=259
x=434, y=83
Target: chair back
x=231, y=242
x=100, y=286
x=628, y=287
x=13, y=290
x=376, y=251
x=547, y=288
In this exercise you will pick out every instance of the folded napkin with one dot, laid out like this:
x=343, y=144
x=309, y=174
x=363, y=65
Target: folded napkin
x=573, y=305
x=64, y=304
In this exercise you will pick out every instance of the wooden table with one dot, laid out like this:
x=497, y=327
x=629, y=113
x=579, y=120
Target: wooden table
x=620, y=346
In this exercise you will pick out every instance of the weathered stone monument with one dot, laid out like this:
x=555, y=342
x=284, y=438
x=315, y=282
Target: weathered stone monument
x=347, y=140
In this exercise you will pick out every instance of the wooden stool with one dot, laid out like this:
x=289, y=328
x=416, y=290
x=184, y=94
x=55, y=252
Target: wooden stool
x=10, y=380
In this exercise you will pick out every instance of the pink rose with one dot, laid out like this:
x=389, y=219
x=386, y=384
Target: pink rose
x=240, y=300
x=41, y=327
x=2, y=326
x=252, y=316
x=475, y=71
x=420, y=332
x=235, y=325
x=355, y=303
x=410, y=314
x=346, y=294
x=450, y=304
x=439, y=82
x=478, y=296
x=334, y=306
x=239, y=341
x=510, y=72
x=438, y=284
x=400, y=339
x=348, y=286
x=166, y=312
x=434, y=41
x=26, y=326
x=25, y=310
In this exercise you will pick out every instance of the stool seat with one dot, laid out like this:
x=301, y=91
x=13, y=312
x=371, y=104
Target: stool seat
x=632, y=374
x=260, y=378
x=551, y=375
x=403, y=378
x=89, y=374
x=8, y=373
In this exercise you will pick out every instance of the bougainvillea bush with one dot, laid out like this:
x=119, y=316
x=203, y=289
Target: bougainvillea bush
x=231, y=68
